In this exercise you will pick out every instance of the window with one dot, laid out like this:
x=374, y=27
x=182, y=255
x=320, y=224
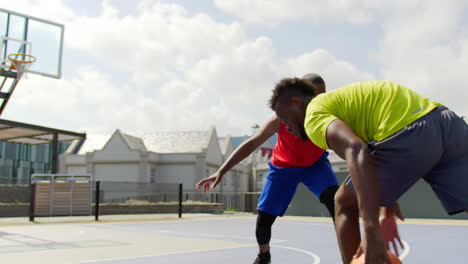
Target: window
x=225, y=180
x=153, y=175
x=260, y=177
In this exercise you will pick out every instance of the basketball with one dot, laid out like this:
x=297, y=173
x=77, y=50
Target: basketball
x=394, y=259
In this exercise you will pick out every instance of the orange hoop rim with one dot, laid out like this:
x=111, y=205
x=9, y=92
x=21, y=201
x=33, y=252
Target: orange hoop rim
x=31, y=57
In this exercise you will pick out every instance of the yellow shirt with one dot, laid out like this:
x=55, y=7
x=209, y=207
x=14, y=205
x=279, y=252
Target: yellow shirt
x=374, y=110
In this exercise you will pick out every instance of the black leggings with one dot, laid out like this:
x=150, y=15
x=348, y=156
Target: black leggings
x=265, y=220
x=328, y=199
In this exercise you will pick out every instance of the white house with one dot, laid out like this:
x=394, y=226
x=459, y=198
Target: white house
x=181, y=157
x=164, y=157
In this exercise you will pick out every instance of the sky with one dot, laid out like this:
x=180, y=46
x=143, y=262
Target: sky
x=150, y=66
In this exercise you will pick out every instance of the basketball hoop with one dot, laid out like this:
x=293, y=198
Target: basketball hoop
x=21, y=65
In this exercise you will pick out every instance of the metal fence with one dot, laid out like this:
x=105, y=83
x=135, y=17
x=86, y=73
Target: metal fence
x=128, y=192
x=57, y=195
x=134, y=197
x=240, y=201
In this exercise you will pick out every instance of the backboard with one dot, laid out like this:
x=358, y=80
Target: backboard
x=41, y=38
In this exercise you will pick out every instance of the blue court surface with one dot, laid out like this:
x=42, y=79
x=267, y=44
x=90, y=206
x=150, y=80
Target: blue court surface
x=213, y=239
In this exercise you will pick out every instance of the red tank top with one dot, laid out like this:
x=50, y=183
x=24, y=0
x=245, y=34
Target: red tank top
x=291, y=151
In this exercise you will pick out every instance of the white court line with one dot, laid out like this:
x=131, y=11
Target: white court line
x=167, y=254
x=403, y=255
x=406, y=250
x=316, y=257
x=202, y=235
x=191, y=251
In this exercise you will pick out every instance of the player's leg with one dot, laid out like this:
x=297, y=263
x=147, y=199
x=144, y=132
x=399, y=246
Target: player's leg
x=263, y=231
x=392, y=157
x=328, y=199
x=347, y=222
x=449, y=179
x=277, y=193
x=442, y=163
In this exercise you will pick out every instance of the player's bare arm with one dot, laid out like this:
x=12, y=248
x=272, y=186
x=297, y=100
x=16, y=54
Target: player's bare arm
x=267, y=130
x=351, y=148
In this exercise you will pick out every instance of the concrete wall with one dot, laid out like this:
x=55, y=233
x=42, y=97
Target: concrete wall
x=116, y=172
x=229, y=150
x=116, y=209
x=14, y=210
x=72, y=164
x=228, y=181
x=419, y=202
x=305, y=203
x=14, y=193
x=184, y=173
x=213, y=152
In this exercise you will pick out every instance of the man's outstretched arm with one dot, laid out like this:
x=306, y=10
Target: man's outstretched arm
x=350, y=147
x=270, y=127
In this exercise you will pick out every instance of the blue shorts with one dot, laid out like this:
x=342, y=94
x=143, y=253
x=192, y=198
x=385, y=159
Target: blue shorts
x=281, y=184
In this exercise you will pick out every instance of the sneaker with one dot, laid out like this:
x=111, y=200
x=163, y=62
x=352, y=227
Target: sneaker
x=264, y=258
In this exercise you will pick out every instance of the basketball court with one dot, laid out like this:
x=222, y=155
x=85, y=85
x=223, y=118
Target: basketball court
x=30, y=45
x=211, y=239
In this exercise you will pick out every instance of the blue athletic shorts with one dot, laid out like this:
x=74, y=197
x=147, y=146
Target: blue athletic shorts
x=281, y=184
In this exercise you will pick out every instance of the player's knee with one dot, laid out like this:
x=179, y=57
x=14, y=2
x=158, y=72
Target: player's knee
x=328, y=194
x=263, y=228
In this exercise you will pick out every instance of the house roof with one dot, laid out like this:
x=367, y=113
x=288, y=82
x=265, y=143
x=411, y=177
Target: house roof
x=93, y=143
x=273, y=139
x=224, y=143
x=158, y=142
x=236, y=141
x=135, y=143
x=176, y=142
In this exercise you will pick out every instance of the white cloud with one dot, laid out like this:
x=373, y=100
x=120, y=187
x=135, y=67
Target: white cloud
x=83, y=102
x=54, y=10
x=241, y=75
x=188, y=71
x=273, y=12
x=155, y=41
x=423, y=42
x=427, y=50
x=336, y=72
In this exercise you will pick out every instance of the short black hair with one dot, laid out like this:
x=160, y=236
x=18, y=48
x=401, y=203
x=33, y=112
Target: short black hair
x=317, y=80
x=314, y=78
x=289, y=87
